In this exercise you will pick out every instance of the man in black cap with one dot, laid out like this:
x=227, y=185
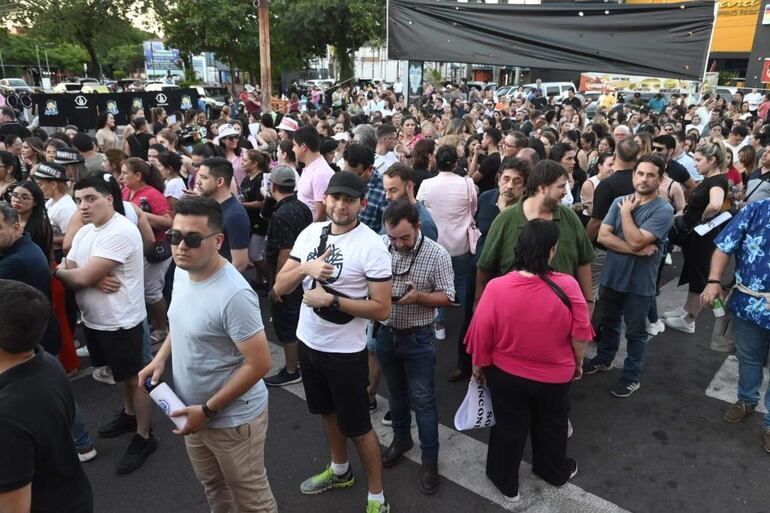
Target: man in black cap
x=53, y=181
x=10, y=125
x=289, y=217
x=345, y=270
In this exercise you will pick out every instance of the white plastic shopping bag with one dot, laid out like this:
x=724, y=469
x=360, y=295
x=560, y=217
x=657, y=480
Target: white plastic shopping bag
x=476, y=409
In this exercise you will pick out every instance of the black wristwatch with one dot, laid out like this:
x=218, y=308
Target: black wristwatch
x=208, y=412
x=335, y=303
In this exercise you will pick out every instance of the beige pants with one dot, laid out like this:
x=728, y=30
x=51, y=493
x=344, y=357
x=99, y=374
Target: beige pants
x=230, y=464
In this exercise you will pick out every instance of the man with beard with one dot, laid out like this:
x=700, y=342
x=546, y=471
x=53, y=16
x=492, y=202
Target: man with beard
x=423, y=280
x=345, y=270
x=484, y=174
x=632, y=232
x=546, y=187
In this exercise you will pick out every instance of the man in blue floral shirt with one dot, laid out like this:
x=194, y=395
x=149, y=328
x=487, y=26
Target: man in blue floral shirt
x=748, y=238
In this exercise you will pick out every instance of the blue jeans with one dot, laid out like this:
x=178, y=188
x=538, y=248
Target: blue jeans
x=80, y=434
x=617, y=307
x=409, y=363
x=752, y=343
x=461, y=265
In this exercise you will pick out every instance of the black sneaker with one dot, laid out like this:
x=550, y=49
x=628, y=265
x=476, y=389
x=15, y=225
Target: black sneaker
x=120, y=424
x=387, y=420
x=592, y=367
x=373, y=404
x=624, y=390
x=283, y=378
x=137, y=453
x=573, y=471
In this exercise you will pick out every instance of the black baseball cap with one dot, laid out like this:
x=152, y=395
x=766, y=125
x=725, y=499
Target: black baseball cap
x=347, y=183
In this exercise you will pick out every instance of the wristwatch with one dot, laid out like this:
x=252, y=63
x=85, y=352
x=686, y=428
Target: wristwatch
x=335, y=303
x=208, y=412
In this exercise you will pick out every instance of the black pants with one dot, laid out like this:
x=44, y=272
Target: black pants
x=523, y=407
x=464, y=361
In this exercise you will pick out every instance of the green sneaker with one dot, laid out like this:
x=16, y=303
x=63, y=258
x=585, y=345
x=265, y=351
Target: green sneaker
x=377, y=507
x=327, y=480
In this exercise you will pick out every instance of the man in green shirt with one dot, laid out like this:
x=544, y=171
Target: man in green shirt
x=546, y=186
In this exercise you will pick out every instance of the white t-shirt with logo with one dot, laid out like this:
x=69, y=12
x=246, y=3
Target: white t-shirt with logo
x=383, y=162
x=358, y=256
x=60, y=212
x=118, y=240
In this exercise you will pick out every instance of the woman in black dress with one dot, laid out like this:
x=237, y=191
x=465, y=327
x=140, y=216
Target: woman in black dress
x=705, y=202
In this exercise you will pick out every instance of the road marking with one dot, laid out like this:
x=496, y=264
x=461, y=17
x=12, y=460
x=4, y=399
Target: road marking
x=462, y=460
x=724, y=386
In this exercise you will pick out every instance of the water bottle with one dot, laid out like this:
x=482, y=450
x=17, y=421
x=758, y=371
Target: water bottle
x=145, y=205
x=167, y=400
x=718, y=308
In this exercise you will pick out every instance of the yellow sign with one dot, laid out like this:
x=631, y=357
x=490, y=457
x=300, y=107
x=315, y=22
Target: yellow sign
x=735, y=26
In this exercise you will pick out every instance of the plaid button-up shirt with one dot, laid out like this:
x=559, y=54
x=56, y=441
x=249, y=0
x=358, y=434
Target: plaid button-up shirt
x=429, y=267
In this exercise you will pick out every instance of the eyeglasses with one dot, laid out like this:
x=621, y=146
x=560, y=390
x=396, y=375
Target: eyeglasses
x=231, y=138
x=22, y=197
x=193, y=241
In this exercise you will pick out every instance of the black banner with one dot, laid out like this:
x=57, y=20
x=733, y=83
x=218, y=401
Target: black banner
x=659, y=40
x=82, y=110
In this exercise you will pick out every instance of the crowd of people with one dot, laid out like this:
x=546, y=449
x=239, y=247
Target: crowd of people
x=366, y=224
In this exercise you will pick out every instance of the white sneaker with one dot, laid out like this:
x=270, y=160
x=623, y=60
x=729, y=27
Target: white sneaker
x=85, y=455
x=103, y=374
x=569, y=429
x=656, y=328
x=680, y=324
x=82, y=352
x=669, y=260
x=440, y=333
x=515, y=498
x=679, y=312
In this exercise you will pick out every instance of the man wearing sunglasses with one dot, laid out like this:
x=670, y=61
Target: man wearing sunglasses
x=219, y=355
x=664, y=147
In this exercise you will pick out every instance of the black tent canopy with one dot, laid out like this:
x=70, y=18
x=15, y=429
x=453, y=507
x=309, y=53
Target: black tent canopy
x=663, y=40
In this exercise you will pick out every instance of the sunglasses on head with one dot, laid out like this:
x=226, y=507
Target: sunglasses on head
x=193, y=241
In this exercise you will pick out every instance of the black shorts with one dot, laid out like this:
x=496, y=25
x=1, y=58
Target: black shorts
x=120, y=349
x=336, y=383
x=286, y=316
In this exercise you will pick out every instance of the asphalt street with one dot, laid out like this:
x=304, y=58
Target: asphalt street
x=666, y=448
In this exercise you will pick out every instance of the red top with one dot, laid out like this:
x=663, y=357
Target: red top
x=523, y=328
x=734, y=176
x=156, y=200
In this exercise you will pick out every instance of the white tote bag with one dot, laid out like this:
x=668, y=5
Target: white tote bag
x=476, y=411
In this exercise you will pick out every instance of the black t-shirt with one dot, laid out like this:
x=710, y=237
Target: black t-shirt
x=489, y=169
x=420, y=174
x=699, y=199
x=289, y=218
x=619, y=184
x=677, y=172
x=573, y=102
x=139, y=144
x=539, y=102
x=579, y=176
x=36, y=412
x=250, y=190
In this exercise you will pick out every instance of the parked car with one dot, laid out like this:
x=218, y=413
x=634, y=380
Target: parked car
x=213, y=97
x=551, y=88
x=14, y=85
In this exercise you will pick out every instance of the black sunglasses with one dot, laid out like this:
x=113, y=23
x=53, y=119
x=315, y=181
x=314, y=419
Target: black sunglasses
x=193, y=241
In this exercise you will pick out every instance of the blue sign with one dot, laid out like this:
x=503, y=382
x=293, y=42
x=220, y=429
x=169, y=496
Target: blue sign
x=158, y=57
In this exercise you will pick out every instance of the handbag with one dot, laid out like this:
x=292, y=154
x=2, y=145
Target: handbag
x=160, y=252
x=476, y=409
x=559, y=292
x=680, y=232
x=474, y=234
x=327, y=313
x=722, y=338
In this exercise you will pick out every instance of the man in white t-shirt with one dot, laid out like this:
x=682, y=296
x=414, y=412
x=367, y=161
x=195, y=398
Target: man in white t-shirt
x=754, y=98
x=110, y=244
x=387, y=139
x=53, y=181
x=345, y=270
x=315, y=177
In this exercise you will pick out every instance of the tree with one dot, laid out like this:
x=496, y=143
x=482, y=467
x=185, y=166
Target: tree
x=79, y=21
x=346, y=25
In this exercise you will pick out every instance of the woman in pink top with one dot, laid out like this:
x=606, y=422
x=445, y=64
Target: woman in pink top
x=527, y=338
x=451, y=200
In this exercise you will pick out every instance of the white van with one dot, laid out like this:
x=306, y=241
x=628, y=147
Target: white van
x=549, y=89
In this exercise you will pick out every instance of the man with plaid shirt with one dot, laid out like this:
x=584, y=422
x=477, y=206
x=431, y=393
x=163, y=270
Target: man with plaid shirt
x=423, y=280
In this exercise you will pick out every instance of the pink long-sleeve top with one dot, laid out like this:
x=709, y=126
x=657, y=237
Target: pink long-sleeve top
x=523, y=328
x=451, y=200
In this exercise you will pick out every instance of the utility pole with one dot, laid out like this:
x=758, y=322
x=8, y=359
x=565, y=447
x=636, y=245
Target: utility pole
x=264, y=56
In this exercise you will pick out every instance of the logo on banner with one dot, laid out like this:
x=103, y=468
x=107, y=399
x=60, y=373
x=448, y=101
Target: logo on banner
x=112, y=107
x=51, y=108
x=136, y=103
x=81, y=102
x=186, y=103
x=161, y=99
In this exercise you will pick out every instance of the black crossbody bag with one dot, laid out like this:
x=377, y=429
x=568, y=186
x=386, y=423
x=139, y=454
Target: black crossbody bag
x=558, y=291
x=327, y=313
